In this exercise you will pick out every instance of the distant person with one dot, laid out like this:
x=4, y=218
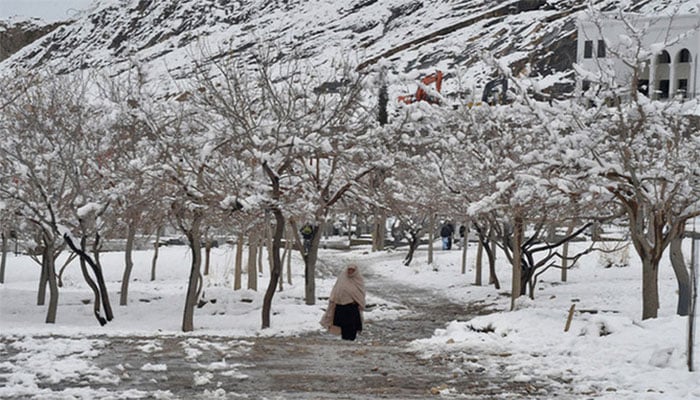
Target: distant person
x=462, y=233
x=307, y=233
x=446, y=233
x=346, y=304
x=397, y=232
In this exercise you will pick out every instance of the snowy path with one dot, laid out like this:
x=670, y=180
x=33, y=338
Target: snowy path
x=311, y=366
x=320, y=366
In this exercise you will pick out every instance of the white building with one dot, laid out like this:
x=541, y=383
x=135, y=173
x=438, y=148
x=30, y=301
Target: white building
x=672, y=46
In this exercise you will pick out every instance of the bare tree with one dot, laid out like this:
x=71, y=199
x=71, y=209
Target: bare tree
x=128, y=164
x=500, y=164
x=641, y=150
x=298, y=133
x=50, y=129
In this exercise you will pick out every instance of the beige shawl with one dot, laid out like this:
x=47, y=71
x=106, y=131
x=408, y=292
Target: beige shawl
x=348, y=288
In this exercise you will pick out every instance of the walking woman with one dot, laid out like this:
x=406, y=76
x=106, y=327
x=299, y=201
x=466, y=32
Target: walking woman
x=346, y=303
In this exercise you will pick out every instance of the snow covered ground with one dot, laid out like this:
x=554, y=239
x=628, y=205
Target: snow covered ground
x=608, y=352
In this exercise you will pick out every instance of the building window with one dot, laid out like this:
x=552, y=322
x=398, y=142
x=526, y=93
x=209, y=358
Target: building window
x=684, y=56
x=588, y=49
x=664, y=86
x=601, y=49
x=663, y=58
x=683, y=88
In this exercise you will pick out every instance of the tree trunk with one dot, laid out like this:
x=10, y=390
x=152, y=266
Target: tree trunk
x=51, y=277
x=693, y=300
x=193, y=286
x=493, y=277
x=464, y=260
x=488, y=246
x=310, y=267
x=93, y=286
x=128, y=263
x=651, y=234
x=252, y=257
x=682, y=276
x=65, y=265
x=290, y=248
x=207, y=256
x=276, y=267
x=379, y=231
x=516, y=290
x=260, y=246
x=238, y=268
x=374, y=234
x=283, y=259
x=268, y=241
x=99, y=277
x=650, y=289
x=156, y=248
x=596, y=232
x=478, y=263
x=43, y=279
x=431, y=238
x=97, y=270
x=413, y=243
x=465, y=244
x=3, y=260
x=529, y=282
x=565, y=254
x=281, y=280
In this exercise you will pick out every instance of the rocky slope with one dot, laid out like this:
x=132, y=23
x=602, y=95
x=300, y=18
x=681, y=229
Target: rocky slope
x=409, y=38
x=15, y=35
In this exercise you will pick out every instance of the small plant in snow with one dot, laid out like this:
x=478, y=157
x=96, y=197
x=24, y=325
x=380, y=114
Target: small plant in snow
x=614, y=255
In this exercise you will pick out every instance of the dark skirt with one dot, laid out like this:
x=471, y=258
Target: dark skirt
x=347, y=317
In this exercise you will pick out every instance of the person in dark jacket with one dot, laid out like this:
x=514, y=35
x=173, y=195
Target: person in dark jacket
x=462, y=233
x=446, y=233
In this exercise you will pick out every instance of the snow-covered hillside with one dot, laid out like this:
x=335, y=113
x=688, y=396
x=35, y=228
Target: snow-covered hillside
x=407, y=37
x=15, y=33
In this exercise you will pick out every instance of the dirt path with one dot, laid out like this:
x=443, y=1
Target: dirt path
x=320, y=366
x=312, y=366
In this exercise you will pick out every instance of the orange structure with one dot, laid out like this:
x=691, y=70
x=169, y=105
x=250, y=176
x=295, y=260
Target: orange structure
x=421, y=94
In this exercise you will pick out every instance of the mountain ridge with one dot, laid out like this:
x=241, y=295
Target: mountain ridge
x=408, y=38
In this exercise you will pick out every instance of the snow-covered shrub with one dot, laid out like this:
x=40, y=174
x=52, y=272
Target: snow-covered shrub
x=614, y=254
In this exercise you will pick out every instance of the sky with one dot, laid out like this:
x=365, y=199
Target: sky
x=48, y=10
x=608, y=353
